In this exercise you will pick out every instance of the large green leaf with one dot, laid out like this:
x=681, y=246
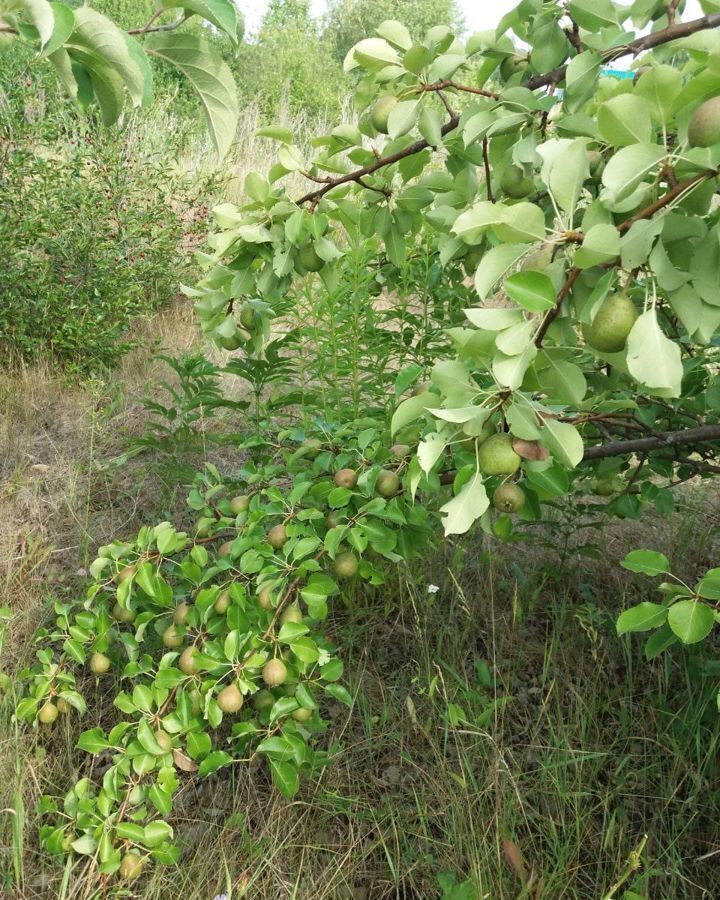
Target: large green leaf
x=222, y=13
x=563, y=440
x=691, y=621
x=210, y=77
x=646, y=562
x=464, y=509
x=628, y=168
x=625, y=120
x=652, y=358
x=103, y=47
x=41, y=15
x=642, y=617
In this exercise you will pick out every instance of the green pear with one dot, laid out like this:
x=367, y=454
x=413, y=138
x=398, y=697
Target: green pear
x=387, y=484
x=308, y=258
x=515, y=183
x=380, y=113
x=508, y=498
x=496, y=456
x=346, y=564
x=704, y=127
x=274, y=672
x=609, y=330
x=230, y=699
x=346, y=478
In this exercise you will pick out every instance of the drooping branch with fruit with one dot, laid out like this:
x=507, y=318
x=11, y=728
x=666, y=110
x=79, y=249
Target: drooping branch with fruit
x=582, y=205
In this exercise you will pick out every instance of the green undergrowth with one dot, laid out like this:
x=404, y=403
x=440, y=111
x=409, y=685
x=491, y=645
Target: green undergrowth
x=493, y=710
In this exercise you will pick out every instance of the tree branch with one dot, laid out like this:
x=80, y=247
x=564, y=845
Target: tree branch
x=552, y=314
x=486, y=164
x=149, y=27
x=672, y=33
x=671, y=10
x=448, y=83
x=648, y=42
x=380, y=163
x=662, y=440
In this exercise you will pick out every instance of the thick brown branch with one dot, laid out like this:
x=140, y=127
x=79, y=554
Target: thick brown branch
x=672, y=33
x=662, y=440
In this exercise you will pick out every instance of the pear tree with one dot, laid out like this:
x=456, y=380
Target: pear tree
x=583, y=206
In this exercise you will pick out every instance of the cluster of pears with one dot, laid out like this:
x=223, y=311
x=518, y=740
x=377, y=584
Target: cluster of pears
x=245, y=322
x=497, y=456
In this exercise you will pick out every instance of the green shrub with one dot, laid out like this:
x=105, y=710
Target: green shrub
x=92, y=223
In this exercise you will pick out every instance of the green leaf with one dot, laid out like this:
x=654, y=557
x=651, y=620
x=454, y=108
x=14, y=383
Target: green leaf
x=214, y=761
x=594, y=15
x=521, y=222
x=210, y=77
x=600, y=245
x=659, y=642
x=372, y=54
x=495, y=264
x=492, y=318
x=395, y=33
x=565, y=170
x=709, y=586
x=339, y=693
x=93, y=741
x=85, y=845
x=222, y=13
x=564, y=442
x=41, y=15
x=104, y=48
x=627, y=169
x=160, y=799
x=652, y=358
x=282, y=708
x=562, y=380
x=643, y=617
x=624, y=120
x=646, y=562
x=581, y=79
x=403, y=118
x=464, y=509
x=660, y=87
x=285, y=777
x=690, y=620
x=198, y=744
x=509, y=371
x=156, y=833
x=534, y=291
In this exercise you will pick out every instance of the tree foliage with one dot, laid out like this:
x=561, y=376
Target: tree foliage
x=582, y=205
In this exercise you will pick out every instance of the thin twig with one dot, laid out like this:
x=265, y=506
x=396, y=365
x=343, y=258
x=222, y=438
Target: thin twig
x=486, y=162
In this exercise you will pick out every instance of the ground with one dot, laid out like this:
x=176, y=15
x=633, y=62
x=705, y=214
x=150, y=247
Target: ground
x=496, y=711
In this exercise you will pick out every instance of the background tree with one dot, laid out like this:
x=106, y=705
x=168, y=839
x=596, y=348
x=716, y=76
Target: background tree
x=349, y=21
x=289, y=61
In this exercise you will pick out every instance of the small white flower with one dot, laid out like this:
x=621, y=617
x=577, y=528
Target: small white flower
x=433, y=589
